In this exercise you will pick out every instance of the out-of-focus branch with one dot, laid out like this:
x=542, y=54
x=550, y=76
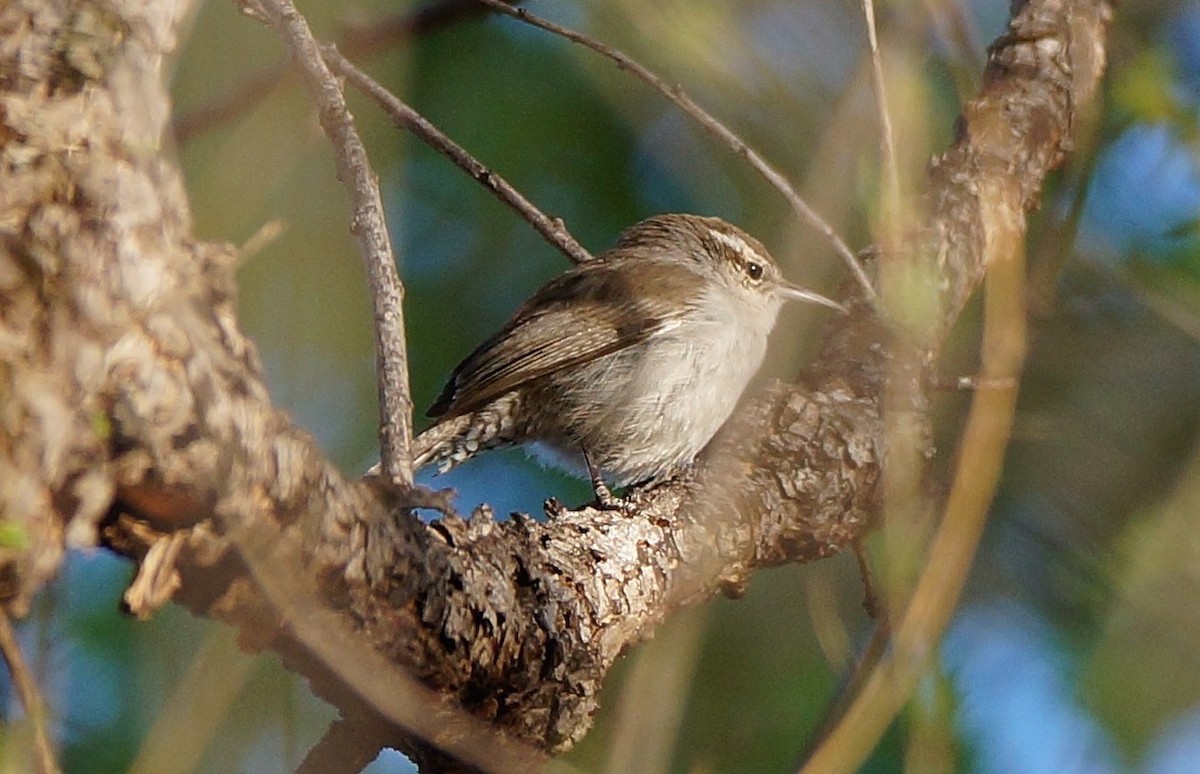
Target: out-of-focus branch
x=981, y=458
x=1004, y=196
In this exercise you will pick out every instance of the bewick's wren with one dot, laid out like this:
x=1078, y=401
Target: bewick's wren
x=635, y=358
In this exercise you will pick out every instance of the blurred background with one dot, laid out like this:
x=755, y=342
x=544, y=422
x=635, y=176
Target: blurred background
x=1077, y=646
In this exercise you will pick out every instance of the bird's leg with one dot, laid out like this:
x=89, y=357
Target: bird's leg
x=604, y=497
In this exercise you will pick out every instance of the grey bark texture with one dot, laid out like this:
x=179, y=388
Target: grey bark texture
x=133, y=412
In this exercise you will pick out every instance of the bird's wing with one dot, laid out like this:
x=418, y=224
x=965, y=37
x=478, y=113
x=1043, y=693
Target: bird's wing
x=584, y=314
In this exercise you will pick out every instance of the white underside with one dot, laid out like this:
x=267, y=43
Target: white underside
x=663, y=400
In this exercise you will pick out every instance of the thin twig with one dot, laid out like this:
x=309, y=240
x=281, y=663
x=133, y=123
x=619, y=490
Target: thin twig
x=552, y=229
x=357, y=41
x=31, y=697
x=887, y=142
x=370, y=229
x=676, y=94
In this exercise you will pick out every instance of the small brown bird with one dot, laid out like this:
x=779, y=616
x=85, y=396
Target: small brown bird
x=630, y=362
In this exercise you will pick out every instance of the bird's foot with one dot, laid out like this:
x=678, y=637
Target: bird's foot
x=605, y=499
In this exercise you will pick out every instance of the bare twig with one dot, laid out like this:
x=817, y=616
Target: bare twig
x=322, y=633
x=356, y=41
x=887, y=140
x=370, y=229
x=676, y=94
x=552, y=229
x=31, y=697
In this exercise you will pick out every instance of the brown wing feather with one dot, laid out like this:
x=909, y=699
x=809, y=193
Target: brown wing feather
x=579, y=316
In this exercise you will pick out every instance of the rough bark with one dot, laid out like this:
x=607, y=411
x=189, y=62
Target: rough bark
x=133, y=411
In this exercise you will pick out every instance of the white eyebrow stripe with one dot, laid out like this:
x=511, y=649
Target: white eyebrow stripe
x=737, y=244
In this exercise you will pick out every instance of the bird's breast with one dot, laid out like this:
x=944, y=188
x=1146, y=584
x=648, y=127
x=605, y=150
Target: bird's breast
x=646, y=409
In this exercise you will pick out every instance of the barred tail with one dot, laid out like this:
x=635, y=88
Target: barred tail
x=460, y=438
x=444, y=444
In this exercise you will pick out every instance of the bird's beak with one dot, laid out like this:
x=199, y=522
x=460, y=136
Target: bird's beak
x=798, y=293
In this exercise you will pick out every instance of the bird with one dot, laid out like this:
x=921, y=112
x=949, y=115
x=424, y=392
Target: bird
x=625, y=366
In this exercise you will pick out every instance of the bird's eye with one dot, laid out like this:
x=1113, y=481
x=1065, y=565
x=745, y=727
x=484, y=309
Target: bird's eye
x=755, y=270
